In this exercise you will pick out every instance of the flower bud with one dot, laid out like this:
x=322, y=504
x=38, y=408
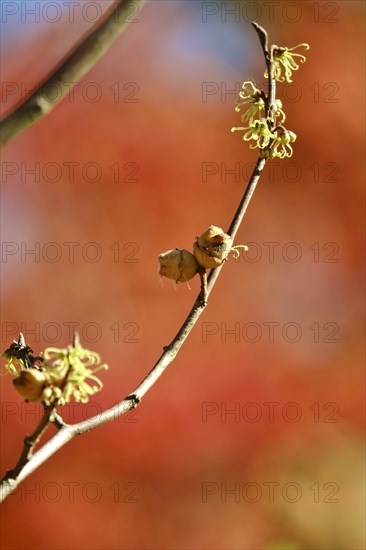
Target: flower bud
x=179, y=265
x=212, y=247
x=31, y=384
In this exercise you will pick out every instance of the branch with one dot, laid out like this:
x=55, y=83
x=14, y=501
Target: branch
x=49, y=416
x=31, y=441
x=67, y=432
x=268, y=56
x=74, y=66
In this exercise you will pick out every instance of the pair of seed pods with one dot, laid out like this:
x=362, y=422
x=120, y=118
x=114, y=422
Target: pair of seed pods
x=210, y=250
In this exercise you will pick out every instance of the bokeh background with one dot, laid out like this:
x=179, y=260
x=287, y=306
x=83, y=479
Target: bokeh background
x=138, y=160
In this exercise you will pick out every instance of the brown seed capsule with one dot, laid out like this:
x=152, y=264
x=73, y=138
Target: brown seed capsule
x=212, y=247
x=179, y=265
x=31, y=384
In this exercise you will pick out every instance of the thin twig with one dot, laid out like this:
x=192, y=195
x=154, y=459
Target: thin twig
x=268, y=56
x=67, y=432
x=31, y=441
x=73, y=67
x=49, y=416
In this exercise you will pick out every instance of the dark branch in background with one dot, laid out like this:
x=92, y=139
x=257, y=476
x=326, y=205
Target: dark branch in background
x=67, y=432
x=74, y=66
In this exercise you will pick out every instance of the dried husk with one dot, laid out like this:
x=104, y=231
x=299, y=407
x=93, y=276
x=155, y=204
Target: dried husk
x=179, y=265
x=212, y=247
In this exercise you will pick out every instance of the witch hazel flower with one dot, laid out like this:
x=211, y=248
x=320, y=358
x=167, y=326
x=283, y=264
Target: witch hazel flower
x=281, y=147
x=286, y=59
x=257, y=131
x=264, y=116
x=279, y=112
x=249, y=94
x=57, y=375
x=252, y=97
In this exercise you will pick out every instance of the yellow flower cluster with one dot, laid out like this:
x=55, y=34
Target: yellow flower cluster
x=62, y=373
x=268, y=133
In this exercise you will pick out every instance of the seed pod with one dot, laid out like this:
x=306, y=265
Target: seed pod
x=212, y=247
x=179, y=265
x=31, y=384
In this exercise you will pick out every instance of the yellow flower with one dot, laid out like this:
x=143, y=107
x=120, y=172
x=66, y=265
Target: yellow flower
x=286, y=58
x=258, y=131
x=278, y=110
x=251, y=95
x=74, y=369
x=64, y=373
x=281, y=146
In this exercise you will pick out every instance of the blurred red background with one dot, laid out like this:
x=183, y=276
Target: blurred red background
x=138, y=160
